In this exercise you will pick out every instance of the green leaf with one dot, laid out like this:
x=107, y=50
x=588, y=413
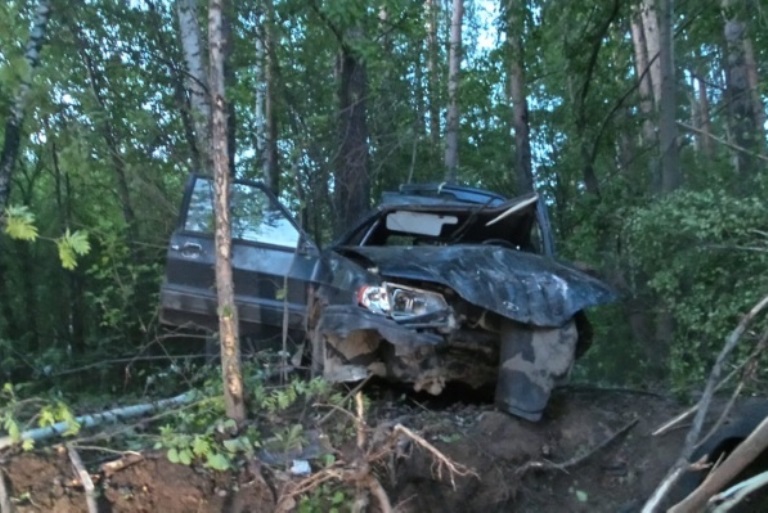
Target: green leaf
x=200, y=446
x=71, y=245
x=173, y=455
x=217, y=461
x=185, y=457
x=28, y=444
x=13, y=430
x=338, y=498
x=581, y=496
x=19, y=223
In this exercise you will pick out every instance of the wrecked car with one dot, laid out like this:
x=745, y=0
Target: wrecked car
x=438, y=284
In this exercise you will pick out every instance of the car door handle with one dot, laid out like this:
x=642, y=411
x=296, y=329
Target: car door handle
x=189, y=249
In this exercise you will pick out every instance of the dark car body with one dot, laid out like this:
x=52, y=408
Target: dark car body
x=440, y=283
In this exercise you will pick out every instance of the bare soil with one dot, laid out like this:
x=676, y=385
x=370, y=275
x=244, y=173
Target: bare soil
x=616, y=478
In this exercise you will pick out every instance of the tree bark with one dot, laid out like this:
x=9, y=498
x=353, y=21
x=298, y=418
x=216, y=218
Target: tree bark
x=741, y=115
x=517, y=97
x=754, y=89
x=266, y=114
x=197, y=78
x=433, y=79
x=704, y=122
x=454, y=70
x=13, y=125
x=225, y=290
x=644, y=78
x=653, y=46
x=352, y=181
x=671, y=177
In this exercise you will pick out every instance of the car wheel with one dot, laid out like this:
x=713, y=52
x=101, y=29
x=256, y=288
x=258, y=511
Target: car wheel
x=533, y=361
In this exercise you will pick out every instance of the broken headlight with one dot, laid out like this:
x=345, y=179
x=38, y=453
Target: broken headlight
x=399, y=301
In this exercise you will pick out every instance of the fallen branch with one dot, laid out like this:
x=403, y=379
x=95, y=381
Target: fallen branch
x=727, y=500
x=742, y=456
x=692, y=437
x=111, y=467
x=85, y=479
x=576, y=460
x=750, y=361
x=96, y=419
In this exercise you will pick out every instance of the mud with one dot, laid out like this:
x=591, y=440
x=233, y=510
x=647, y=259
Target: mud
x=616, y=478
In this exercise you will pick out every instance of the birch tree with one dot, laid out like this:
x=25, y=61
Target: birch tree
x=225, y=289
x=433, y=80
x=642, y=71
x=454, y=69
x=196, y=78
x=650, y=19
x=14, y=124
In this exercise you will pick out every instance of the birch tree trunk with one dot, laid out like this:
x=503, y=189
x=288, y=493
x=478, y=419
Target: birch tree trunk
x=433, y=78
x=15, y=121
x=197, y=78
x=644, y=77
x=517, y=97
x=650, y=19
x=225, y=290
x=671, y=177
x=452, y=119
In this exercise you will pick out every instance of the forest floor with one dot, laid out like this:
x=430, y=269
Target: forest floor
x=596, y=477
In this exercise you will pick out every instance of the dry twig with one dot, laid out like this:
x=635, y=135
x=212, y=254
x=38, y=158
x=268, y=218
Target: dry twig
x=359, y=472
x=692, y=438
x=744, y=367
x=742, y=456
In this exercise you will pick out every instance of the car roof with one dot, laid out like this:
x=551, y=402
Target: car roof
x=441, y=194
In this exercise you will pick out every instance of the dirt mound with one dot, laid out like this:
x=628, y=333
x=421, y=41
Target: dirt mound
x=617, y=477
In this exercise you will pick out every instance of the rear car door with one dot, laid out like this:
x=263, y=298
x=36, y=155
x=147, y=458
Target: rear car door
x=273, y=261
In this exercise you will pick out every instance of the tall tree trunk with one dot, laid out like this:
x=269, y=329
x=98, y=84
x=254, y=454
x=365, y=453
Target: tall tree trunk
x=517, y=97
x=754, y=89
x=266, y=113
x=225, y=290
x=644, y=77
x=197, y=77
x=352, y=181
x=650, y=19
x=741, y=114
x=13, y=125
x=671, y=177
x=703, y=117
x=433, y=78
x=452, y=119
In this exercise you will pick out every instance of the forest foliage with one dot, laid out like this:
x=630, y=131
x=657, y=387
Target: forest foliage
x=650, y=151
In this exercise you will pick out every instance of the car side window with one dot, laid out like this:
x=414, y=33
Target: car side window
x=255, y=217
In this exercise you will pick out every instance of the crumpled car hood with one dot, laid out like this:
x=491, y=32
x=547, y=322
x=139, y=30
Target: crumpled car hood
x=524, y=287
